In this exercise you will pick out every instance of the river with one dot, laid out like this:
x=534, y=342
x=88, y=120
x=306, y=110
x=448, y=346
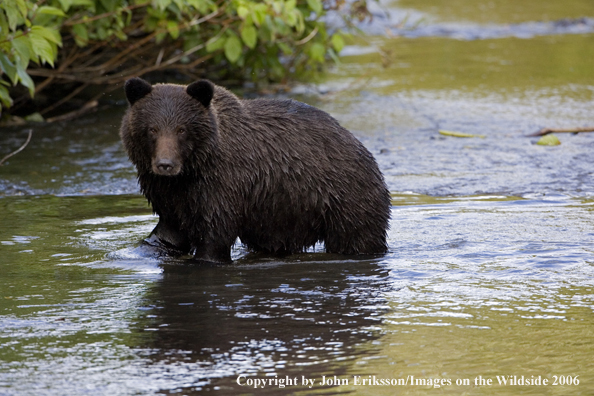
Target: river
x=488, y=286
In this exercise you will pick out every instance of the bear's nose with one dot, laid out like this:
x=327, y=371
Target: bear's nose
x=165, y=165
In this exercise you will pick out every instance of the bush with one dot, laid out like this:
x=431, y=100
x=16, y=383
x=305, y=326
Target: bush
x=80, y=43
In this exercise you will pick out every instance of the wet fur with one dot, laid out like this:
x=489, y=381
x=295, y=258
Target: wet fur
x=279, y=174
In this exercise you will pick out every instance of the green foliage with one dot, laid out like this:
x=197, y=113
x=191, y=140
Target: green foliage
x=23, y=40
x=242, y=38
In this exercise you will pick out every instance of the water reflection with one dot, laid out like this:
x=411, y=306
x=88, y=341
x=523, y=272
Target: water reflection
x=305, y=316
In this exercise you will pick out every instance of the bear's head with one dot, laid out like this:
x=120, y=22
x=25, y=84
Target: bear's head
x=168, y=128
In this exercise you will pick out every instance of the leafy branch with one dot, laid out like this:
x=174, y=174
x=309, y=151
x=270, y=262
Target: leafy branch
x=75, y=44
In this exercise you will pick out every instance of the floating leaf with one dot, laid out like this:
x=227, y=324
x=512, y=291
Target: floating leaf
x=549, y=140
x=460, y=134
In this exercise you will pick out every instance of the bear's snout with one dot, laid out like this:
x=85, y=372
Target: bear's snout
x=165, y=166
x=166, y=161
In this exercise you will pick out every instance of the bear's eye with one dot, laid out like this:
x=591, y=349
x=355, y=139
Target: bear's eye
x=181, y=130
x=152, y=131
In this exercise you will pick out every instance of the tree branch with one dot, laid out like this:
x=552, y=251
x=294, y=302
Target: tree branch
x=19, y=149
x=546, y=131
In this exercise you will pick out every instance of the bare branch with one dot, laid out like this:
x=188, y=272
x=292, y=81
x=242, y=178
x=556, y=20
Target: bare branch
x=546, y=131
x=19, y=149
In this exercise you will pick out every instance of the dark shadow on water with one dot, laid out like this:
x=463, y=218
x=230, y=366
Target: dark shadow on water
x=307, y=315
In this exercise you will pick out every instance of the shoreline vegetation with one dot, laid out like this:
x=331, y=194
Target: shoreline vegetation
x=58, y=58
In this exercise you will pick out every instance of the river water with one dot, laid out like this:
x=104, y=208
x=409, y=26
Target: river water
x=490, y=273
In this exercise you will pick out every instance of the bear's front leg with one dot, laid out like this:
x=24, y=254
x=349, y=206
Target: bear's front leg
x=168, y=234
x=212, y=252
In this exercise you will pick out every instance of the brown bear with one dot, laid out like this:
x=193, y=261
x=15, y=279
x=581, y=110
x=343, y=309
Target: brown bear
x=279, y=174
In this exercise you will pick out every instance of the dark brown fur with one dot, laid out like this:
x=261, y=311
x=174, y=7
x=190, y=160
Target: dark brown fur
x=278, y=174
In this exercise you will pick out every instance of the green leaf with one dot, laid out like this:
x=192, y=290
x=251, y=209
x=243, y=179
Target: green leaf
x=66, y=4
x=290, y=6
x=242, y=12
x=173, y=29
x=201, y=5
x=81, y=35
x=249, y=35
x=277, y=6
x=26, y=80
x=22, y=6
x=337, y=42
x=42, y=48
x=285, y=48
x=12, y=14
x=52, y=35
x=291, y=19
x=101, y=33
x=260, y=12
x=161, y=4
x=109, y=5
x=317, y=51
x=315, y=5
x=233, y=48
x=51, y=11
x=5, y=98
x=160, y=37
x=22, y=46
x=300, y=21
x=215, y=44
x=3, y=23
x=8, y=67
x=83, y=3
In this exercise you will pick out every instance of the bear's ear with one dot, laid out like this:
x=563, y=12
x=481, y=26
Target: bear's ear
x=202, y=91
x=136, y=89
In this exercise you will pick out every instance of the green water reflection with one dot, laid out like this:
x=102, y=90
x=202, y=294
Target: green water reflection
x=425, y=341
x=499, y=11
x=555, y=65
